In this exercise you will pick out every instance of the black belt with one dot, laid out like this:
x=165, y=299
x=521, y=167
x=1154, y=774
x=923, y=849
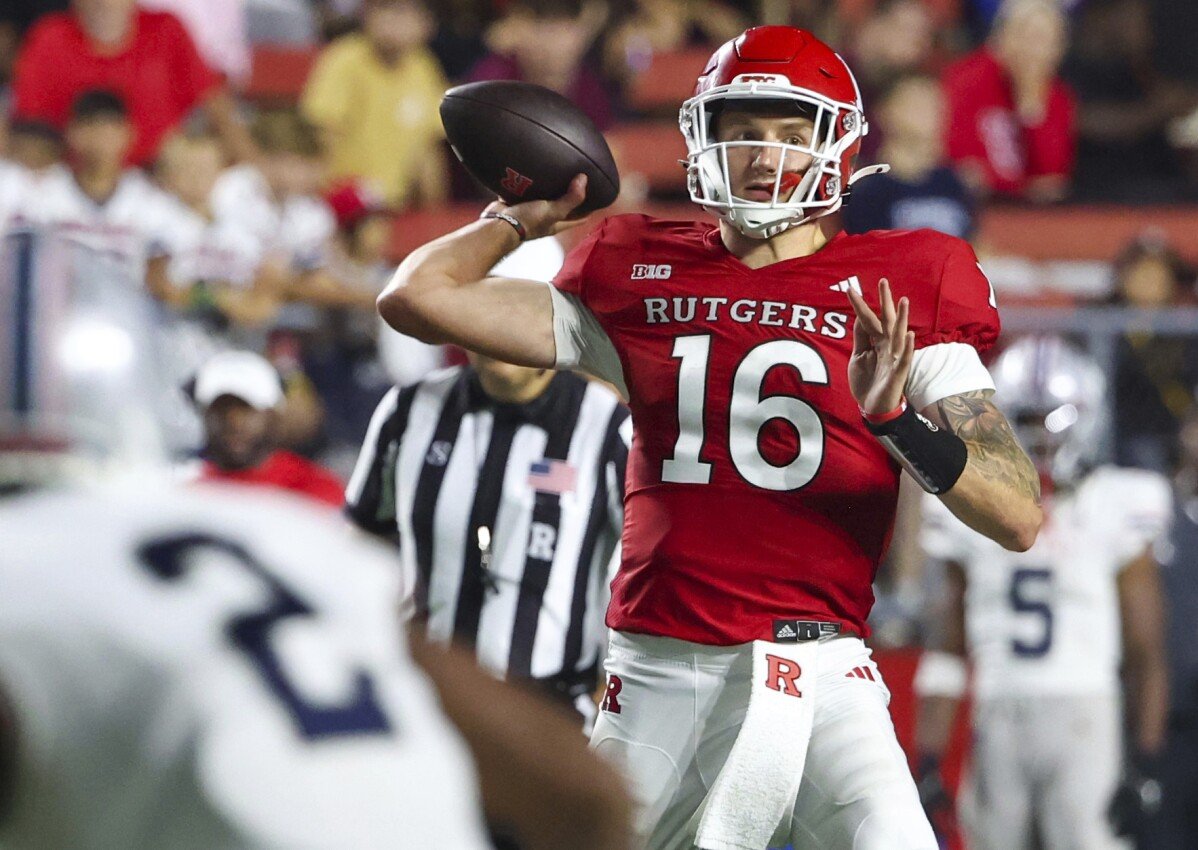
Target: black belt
x=794, y=631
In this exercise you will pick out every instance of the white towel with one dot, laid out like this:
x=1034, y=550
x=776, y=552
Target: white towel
x=756, y=788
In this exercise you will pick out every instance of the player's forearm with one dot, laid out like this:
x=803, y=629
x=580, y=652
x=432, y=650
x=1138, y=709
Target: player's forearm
x=934, y=724
x=998, y=493
x=1148, y=685
x=414, y=301
x=536, y=773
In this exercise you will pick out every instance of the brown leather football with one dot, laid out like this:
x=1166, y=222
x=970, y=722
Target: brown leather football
x=525, y=142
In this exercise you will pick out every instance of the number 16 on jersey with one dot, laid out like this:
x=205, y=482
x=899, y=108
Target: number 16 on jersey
x=747, y=415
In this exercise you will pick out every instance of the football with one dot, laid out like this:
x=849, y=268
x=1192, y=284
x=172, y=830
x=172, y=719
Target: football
x=525, y=143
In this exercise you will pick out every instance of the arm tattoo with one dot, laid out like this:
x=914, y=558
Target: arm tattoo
x=992, y=445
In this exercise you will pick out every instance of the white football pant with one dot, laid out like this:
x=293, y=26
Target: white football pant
x=680, y=706
x=1049, y=763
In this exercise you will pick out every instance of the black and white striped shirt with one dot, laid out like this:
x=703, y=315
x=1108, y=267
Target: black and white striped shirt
x=508, y=514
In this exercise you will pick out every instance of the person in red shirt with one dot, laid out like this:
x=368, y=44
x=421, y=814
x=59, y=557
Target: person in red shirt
x=781, y=374
x=238, y=393
x=147, y=58
x=1012, y=121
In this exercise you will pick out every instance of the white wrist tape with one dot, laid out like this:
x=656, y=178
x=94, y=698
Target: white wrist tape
x=941, y=674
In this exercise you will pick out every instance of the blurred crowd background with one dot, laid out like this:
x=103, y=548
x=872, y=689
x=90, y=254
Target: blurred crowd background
x=262, y=164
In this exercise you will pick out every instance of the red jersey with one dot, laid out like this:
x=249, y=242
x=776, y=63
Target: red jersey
x=158, y=73
x=984, y=126
x=287, y=471
x=754, y=490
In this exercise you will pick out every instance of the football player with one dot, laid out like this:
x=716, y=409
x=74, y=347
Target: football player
x=1047, y=630
x=210, y=665
x=781, y=374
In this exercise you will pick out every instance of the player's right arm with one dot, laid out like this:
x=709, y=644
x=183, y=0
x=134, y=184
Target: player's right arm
x=441, y=293
x=1142, y=613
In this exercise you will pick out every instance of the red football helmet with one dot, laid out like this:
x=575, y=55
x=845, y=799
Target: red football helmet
x=787, y=64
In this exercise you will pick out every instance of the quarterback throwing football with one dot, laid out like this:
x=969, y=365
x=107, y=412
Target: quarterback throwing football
x=780, y=373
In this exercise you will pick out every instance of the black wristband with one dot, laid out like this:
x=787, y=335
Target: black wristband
x=935, y=458
x=510, y=219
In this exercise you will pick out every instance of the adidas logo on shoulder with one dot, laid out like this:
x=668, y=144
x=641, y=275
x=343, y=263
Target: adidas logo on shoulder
x=845, y=285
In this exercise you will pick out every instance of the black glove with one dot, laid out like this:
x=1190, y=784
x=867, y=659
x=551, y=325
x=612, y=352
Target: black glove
x=1138, y=797
x=937, y=802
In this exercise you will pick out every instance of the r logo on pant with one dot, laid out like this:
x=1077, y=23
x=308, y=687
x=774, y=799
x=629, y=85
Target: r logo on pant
x=611, y=702
x=782, y=675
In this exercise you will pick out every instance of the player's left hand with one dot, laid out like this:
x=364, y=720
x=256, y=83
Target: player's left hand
x=882, y=351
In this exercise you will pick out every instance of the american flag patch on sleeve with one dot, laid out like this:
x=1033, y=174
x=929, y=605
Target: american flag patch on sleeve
x=552, y=476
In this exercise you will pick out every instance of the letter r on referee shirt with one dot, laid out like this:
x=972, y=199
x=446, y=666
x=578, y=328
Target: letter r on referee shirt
x=782, y=675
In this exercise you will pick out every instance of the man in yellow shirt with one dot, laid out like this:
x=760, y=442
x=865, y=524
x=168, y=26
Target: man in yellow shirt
x=374, y=96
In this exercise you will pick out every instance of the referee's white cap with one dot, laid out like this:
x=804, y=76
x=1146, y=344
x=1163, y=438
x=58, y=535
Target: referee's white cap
x=241, y=374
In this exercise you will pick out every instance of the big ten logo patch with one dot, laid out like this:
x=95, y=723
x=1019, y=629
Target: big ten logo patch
x=648, y=271
x=611, y=696
x=782, y=674
x=542, y=541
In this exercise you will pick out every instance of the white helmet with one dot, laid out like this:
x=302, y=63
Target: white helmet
x=786, y=66
x=81, y=384
x=1054, y=394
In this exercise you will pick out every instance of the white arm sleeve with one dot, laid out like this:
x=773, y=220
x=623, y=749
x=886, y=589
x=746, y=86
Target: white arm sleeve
x=944, y=369
x=582, y=343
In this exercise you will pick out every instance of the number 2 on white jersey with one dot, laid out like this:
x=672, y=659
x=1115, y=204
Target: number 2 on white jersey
x=748, y=414
x=169, y=559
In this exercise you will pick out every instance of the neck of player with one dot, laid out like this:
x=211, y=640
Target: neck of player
x=801, y=241
x=515, y=390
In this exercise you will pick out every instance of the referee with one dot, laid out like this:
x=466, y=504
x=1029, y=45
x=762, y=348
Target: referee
x=504, y=486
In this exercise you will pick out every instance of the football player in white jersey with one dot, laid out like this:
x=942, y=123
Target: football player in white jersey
x=215, y=667
x=1048, y=630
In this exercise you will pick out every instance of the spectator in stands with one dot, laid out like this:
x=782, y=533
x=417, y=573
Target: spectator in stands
x=340, y=352
x=277, y=200
x=1154, y=375
x=1126, y=106
x=16, y=17
x=238, y=394
x=899, y=37
x=374, y=95
x=519, y=52
x=355, y=268
x=145, y=57
x=98, y=199
x=218, y=28
x=664, y=26
x=1011, y=119
x=215, y=267
x=920, y=190
x=34, y=145
x=459, y=41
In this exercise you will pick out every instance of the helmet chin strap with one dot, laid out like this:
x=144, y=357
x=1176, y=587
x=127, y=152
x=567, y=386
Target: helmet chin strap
x=869, y=170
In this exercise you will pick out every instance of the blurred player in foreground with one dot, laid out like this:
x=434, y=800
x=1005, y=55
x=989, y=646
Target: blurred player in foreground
x=741, y=698
x=213, y=665
x=1047, y=629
